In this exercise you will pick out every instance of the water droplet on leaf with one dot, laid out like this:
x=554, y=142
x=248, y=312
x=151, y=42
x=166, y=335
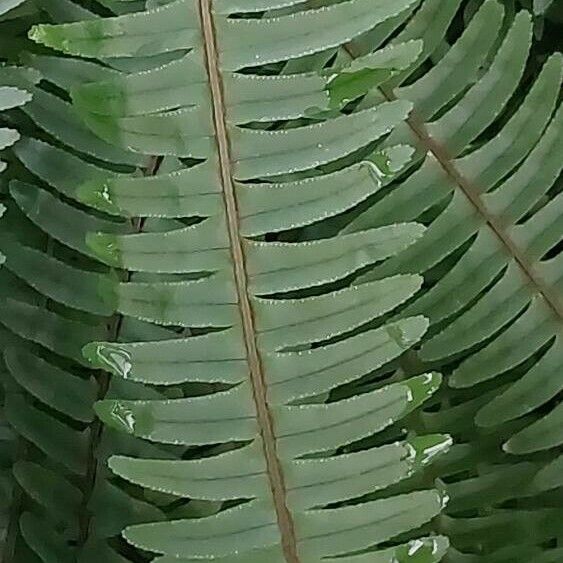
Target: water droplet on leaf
x=105, y=247
x=424, y=449
x=109, y=357
x=117, y=414
x=418, y=551
x=98, y=195
x=420, y=388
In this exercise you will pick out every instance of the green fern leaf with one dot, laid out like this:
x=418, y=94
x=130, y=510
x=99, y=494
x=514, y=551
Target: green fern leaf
x=484, y=186
x=262, y=352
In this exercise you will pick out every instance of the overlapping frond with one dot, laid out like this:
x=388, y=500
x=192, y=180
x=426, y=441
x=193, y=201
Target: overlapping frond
x=14, y=93
x=238, y=346
x=174, y=220
x=60, y=501
x=490, y=149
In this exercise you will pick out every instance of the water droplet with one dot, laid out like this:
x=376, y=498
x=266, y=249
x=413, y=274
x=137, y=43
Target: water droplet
x=117, y=414
x=423, y=449
x=420, y=388
x=105, y=247
x=426, y=550
x=331, y=78
x=99, y=196
x=444, y=499
x=124, y=416
x=376, y=174
x=110, y=357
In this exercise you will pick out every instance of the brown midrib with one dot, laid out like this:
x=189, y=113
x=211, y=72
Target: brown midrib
x=472, y=194
x=441, y=155
x=259, y=387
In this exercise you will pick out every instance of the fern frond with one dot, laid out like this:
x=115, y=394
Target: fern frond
x=239, y=347
x=491, y=261
x=61, y=498
x=14, y=93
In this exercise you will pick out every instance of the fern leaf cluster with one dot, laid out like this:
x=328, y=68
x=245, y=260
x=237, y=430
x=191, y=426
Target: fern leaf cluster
x=255, y=350
x=245, y=241
x=493, y=294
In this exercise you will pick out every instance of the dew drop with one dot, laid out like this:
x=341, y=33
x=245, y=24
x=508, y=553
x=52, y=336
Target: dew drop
x=419, y=389
x=105, y=246
x=444, y=499
x=123, y=416
x=110, y=357
x=424, y=449
x=331, y=78
x=417, y=551
x=98, y=195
